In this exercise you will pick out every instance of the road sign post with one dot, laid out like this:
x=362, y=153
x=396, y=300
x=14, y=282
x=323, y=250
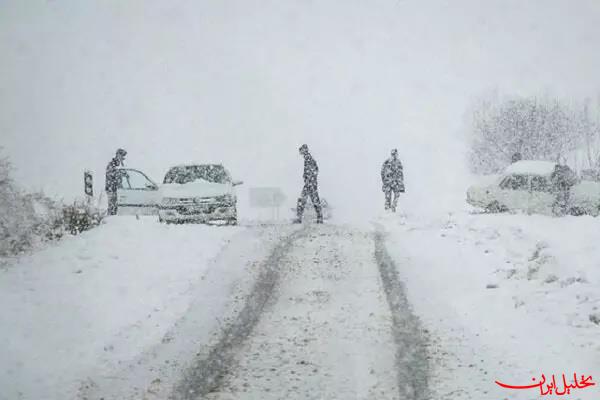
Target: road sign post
x=88, y=185
x=267, y=197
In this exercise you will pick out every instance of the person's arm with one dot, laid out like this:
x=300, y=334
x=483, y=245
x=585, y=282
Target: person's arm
x=401, y=173
x=109, y=177
x=310, y=169
x=305, y=171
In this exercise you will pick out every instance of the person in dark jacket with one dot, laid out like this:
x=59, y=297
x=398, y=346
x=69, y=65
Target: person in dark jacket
x=113, y=180
x=310, y=188
x=563, y=179
x=392, y=178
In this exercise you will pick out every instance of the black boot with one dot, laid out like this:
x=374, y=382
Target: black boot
x=299, y=211
x=319, y=211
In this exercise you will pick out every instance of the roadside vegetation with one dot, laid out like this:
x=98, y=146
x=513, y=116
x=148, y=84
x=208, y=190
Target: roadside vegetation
x=28, y=219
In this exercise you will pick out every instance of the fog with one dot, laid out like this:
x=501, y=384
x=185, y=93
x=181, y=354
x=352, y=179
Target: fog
x=247, y=82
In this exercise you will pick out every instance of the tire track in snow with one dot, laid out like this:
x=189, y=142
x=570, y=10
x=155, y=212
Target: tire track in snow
x=411, y=351
x=328, y=334
x=206, y=373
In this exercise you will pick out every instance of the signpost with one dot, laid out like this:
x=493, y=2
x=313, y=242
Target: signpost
x=267, y=197
x=88, y=184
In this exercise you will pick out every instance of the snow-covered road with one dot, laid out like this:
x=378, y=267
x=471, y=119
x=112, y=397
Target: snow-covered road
x=406, y=308
x=144, y=311
x=327, y=332
x=117, y=310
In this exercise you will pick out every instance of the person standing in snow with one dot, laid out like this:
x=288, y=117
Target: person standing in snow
x=112, y=180
x=310, y=188
x=562, y=178
x=392, y=178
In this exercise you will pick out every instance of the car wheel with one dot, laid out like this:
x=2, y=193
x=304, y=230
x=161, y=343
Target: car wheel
x=496, y=207
x=233, y=221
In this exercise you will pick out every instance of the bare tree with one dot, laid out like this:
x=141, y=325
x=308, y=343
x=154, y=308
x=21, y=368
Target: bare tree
x=536, y=128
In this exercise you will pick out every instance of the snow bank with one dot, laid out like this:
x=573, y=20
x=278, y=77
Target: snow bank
x=107, y=293
x=505, y=297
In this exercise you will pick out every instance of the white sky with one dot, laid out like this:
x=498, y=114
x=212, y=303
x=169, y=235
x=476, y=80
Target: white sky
x=246, y=82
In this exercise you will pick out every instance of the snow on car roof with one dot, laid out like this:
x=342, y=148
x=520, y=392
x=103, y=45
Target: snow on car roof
x=195, y=164
x=531, y=167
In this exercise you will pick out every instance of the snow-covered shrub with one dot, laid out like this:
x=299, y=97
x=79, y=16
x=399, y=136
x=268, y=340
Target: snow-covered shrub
x=80, y=217
x=30, y=218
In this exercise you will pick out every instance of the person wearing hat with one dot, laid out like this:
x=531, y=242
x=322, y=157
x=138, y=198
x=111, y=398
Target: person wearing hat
x=310, y=188
x=112, y=180
x=392, y=177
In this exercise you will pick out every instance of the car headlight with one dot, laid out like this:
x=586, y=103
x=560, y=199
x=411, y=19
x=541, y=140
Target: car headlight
x=167, y=201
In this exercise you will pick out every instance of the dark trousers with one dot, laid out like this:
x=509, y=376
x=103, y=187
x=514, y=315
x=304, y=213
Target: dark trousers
x=388, y=190
x=309, y=190
x=112, y=202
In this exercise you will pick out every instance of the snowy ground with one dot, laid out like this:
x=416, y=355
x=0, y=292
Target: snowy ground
x=415, y=307
x=94, y=302
x=504, y=297
x=327, y=333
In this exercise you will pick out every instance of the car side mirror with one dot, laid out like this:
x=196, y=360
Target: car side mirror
x=237, y=183
x=151, y=186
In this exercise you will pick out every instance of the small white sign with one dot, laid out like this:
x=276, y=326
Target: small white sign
x=266, y=197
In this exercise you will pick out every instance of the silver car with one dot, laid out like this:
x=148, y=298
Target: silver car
x=527, y=186
x=198, y=193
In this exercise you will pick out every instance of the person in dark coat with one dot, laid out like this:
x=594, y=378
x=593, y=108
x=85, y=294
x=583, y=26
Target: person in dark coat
x=310, y=188
x=562, y=178
x=392, y=178
x=113, y=180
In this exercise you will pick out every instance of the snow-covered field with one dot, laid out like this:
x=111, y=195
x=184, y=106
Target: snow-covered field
x=504, y=297
x=99, y=299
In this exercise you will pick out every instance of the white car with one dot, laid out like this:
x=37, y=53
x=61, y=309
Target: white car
x=190, y=193
x=198, y=193
x=526, y=186
x=136, y=193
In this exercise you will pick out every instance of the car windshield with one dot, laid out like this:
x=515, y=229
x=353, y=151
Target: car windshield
x=514, y=182
x=187, y=174
x=540, y=184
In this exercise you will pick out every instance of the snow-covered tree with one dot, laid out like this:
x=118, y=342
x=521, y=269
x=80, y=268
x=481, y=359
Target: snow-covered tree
x=538, y=128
